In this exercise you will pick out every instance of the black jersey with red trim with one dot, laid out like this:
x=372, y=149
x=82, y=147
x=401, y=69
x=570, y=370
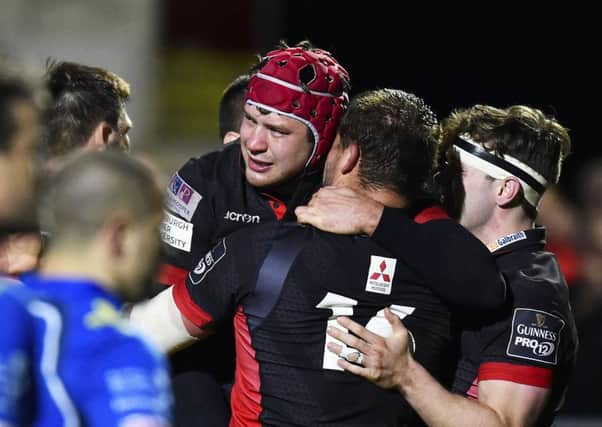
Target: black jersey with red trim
x=533, y=341
x=284, y=375
x=207, y=199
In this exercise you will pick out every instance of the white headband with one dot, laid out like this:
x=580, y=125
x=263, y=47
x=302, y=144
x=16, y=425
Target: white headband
x=473, y=154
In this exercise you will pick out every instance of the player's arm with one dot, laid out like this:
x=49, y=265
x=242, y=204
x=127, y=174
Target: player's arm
x=389, y=364
x=437, y=248
x=500, y=403
x=181, y=314
x=449, y=258
x=164, y=324
x=341, y=210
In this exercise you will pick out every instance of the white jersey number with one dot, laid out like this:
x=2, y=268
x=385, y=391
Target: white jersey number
x=343, y=306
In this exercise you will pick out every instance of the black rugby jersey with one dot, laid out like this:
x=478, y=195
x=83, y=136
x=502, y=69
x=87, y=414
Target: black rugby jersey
x=207, y=199
x=284, y=375
x=448, y=257
x=533, y=340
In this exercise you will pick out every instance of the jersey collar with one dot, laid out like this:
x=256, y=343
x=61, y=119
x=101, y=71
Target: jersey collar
x=535, y=237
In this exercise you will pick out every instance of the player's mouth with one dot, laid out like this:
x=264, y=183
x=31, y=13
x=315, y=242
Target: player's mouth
x=258, y=165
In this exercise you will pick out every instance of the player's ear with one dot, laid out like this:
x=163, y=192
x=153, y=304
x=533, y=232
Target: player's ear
x=230, y=136
x=509, y=191
x=351, y=157
x=101, y=135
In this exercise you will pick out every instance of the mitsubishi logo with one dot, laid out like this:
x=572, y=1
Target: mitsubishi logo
x=376, y=276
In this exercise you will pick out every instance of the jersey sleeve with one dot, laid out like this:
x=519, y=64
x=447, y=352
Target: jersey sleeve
x=531, y=343
x=15, y=360
x=130, y=388
x=456, y=265
x=189, y=220
x=214, y=287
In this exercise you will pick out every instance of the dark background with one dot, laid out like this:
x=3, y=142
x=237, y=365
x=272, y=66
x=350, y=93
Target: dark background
x=501, y=53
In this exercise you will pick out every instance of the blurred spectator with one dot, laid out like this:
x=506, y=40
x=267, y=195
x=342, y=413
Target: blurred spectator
x=21, y=100
x=88, y=109
x=560, y=218
x=583, y=397
x=69, y=357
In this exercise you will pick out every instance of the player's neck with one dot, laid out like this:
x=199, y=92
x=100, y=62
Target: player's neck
x=389, y=198
x=286, y=190
x=69, y=263
x=502, y=223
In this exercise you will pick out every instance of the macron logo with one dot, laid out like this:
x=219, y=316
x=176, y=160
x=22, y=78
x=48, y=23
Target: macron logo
x=244, y=218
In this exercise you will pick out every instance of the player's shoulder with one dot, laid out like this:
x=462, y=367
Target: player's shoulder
x=538, y=281
x=249, y=244
x=202, y=179
x=15, y=294
x=264, y=232
x=207, y=165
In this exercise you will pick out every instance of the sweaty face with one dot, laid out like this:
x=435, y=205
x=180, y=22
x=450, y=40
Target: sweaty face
x=479, y=200
x=274, y=147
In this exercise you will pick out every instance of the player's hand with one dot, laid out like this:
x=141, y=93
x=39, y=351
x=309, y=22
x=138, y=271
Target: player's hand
x=384, y=360
x=341, y=210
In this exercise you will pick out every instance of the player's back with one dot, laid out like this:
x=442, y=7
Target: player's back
x=299, y=382
x=90, y=368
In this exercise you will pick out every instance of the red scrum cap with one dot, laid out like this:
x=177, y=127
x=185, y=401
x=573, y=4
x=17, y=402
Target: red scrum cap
x=308, y=85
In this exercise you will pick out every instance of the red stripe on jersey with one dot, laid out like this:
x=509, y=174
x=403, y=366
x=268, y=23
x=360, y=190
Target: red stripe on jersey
x=246, y=399
x=430, y=214
x=521, y=374
x=170, y=275
x=278, y=206
x=189, y=308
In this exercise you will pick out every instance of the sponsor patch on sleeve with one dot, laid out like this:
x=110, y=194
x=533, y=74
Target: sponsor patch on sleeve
x=535, y=335
x=207, y=263
x=176, y=232
x=181, y=198
x=380, y=275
